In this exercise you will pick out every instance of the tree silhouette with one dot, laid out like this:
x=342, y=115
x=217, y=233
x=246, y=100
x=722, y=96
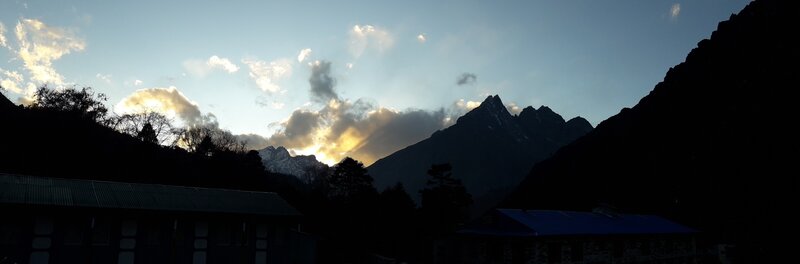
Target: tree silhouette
x=162, y=126
x=350, y=180
x=147, y=134
x=83, y=102
x=445, y=201
x=207, y=139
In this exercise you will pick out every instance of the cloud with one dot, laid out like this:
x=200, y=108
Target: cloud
x=513, y=108
x=11, y=81
x=466, y=78
x=421, y=38
x=222, y=63
x=168, y=101
x=266, y=102
x=356, y=129
x=40, y=45
x=137, y=82
x=466, y=105
x=363, y=37
x=265, y=74
x=675, y=11
x=349, y=65
x=104, y=77
x=304, y=53
x=3, y=40
x=202, y=68
x=359, y=129
x=321, y=82
x=253, y=141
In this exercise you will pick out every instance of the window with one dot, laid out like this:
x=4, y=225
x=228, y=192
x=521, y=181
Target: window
x=619, y=249
x=646, y=249
x=101, y=231
x=554, y=253
x=74, y=232
x=576, y=251
x=495, y=251
x=10, y=233
x=223, y=234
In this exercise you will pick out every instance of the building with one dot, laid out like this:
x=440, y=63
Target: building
x=538, y=236
x=51, y=220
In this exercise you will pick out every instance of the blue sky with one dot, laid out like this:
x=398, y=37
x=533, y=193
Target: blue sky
x=580, y=58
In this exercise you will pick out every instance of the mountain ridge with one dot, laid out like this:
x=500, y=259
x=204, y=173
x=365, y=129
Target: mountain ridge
x=703, y=147
x=490, y=151
x=278, y=160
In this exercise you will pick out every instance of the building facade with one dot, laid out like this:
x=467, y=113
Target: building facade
x=538, y=236
x=50, y=220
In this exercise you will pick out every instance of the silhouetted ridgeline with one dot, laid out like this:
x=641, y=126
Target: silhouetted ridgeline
x=709, y=147
x=489, y=149
x=62, y=144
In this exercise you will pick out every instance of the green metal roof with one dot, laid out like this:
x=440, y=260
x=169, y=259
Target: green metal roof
x=20, y=189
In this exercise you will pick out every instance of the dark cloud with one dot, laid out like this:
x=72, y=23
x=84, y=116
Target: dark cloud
x=398, y=130
x=298, y=131
x=466, y=78
x=322, y=83
x=253, y=141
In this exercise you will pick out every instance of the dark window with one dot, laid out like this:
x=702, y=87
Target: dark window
x=495, y=251
x=554, y=252
x=223, y=234
x=74, y=232
x=646, y=248
x=10, y=233
x=576, y=251
x=518, y=253
x=101, y=231
x=669, y=246
x=619, y=249
x=179, y=232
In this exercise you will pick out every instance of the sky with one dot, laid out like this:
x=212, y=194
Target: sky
x=349, y=78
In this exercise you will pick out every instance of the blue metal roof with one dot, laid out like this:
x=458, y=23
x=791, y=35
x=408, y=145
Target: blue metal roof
x=21, y=189
x=523, y=223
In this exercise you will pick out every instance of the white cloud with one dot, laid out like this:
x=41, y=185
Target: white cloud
x=466, y=105
x=349, y=65
x=222, y=63
x=368, y=36
x=11, y=81
x=104, y=77
x=421, y=38
x=168, y=101
x=304, y=53
x=137, y=82
x=201, y=68
x=40, y=45
x=277, y=105
x=675, y=11
x=265, y=74
x=3, y=41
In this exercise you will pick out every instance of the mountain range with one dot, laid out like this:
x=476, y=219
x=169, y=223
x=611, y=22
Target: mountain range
x=279, y=160
x=711, y=146
x=489, y=149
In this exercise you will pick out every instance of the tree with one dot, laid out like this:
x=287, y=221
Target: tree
x=445, y=201
x=350, y=180
x=209, y=139
x=162, y=126
x=83, y=102
x=397, y=200
x=147, y=134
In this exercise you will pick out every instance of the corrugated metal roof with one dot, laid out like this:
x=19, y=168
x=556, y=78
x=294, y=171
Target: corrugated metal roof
x=517, y=222
x=20, y=189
